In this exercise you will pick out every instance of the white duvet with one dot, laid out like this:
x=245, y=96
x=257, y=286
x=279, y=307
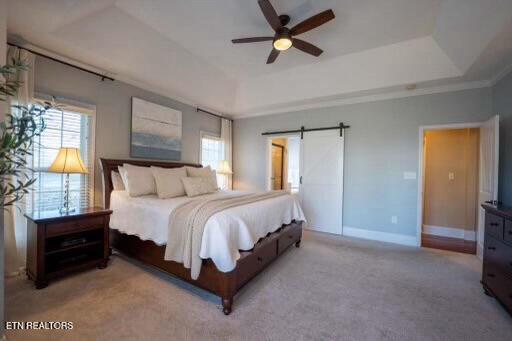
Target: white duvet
x=225, y=233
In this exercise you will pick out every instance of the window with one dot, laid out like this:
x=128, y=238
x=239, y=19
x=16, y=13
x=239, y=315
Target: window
x=212, y=152
x=65, y=127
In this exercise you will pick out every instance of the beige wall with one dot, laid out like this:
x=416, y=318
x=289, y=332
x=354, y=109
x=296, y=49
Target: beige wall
x=451, y=202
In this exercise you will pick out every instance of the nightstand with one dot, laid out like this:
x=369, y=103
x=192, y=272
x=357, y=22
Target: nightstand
x=58, y=244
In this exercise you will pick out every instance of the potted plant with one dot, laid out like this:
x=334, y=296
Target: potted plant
x=17, y=133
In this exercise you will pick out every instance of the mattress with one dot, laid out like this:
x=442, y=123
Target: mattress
x=225, y=233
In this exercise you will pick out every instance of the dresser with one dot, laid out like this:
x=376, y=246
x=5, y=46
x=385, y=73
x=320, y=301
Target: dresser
x=58, y=244
x=497, y=265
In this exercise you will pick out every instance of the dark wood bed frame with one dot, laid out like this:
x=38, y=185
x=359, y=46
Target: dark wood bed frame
x=223, y=284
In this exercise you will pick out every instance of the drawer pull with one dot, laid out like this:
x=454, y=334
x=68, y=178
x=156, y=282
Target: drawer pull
x=494, y=224
x=259, y=259
x=491, y=275
x=491, y=248
x=290, y=237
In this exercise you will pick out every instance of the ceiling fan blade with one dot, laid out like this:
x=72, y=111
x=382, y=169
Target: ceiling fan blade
x=304, y=46
x=270, y=14
x=272, y=56
x=251, y=40
x=313, y=22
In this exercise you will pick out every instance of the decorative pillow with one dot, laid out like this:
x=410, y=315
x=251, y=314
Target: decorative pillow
x=197, y=186
x=140, y=180
x=168, y=181
x=117, y=181
x=204, y=172
x=122, y=174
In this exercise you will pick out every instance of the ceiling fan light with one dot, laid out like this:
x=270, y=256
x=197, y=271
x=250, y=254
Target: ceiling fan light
x=282, y=43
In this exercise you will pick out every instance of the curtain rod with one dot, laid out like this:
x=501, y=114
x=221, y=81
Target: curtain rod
x=103, y=77
x=303, y=130
x=211, y=113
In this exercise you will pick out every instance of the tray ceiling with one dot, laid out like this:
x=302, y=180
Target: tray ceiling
x=183, y=48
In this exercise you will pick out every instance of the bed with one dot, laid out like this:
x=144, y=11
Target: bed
x=136, y=230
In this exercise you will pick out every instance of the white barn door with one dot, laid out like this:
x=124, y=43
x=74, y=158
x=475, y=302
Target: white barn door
x=489, y=162
x=321, y=188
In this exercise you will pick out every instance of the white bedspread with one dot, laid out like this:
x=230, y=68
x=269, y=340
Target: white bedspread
x=225, y=233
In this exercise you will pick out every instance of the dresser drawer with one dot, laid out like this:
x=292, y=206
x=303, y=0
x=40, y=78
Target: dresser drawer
x=500, y=285
x=494, y=225
x=289, y=235
x=508, y=231
x=499, y=255
x=257, y=260
x=75, y=225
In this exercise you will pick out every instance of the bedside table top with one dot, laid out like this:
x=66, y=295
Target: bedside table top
x=49, y=216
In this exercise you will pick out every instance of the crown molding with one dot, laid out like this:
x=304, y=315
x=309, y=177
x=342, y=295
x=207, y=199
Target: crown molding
x=127, y=80
x=501, y=74
x=369, y=98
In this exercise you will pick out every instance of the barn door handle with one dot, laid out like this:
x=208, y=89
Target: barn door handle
x=300, y=180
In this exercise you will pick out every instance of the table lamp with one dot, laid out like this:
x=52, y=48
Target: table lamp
x=225, y=170
x=68, y=161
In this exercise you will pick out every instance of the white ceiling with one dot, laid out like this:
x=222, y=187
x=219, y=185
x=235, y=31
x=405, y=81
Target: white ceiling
x=183, y=49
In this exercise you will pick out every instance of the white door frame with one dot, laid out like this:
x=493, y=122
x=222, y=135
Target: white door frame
x=268, y=172
x=421, y=182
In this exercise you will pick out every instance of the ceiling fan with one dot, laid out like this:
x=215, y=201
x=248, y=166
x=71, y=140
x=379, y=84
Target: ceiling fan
x=284, y=37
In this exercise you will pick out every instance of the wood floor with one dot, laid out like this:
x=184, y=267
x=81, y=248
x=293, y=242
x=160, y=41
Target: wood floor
x=450, y=244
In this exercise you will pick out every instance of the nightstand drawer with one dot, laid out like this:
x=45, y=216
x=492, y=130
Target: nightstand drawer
x=75, y=225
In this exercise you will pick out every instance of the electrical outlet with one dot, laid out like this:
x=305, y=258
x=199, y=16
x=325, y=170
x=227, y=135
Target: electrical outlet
x=394, y=219
x=451, y=176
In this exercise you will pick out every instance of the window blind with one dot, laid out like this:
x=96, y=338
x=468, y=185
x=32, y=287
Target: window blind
x=65, y=127
x=212, y=151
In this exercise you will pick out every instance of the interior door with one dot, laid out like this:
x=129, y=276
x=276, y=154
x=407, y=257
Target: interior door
x=277, y=167
x=489, y=159
x=321, y=188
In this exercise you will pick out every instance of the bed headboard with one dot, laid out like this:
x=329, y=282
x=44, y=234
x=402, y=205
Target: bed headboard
x=109, y=165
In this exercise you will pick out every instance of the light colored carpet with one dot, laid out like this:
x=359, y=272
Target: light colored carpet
x=330, y=289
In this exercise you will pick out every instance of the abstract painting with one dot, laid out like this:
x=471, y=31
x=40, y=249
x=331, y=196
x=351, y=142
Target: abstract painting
x=156, y=131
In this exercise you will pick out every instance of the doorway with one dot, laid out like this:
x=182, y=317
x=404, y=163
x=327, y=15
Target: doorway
x=458, y=172
x=277, y=176
x=450, y=196
x=283, y=163
x=313, y=173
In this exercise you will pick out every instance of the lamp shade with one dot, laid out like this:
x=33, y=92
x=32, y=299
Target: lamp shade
x=68, y=161
x=224, y=167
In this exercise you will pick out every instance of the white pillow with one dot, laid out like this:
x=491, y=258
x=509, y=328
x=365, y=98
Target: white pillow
x=117, y=181
x=168, y=181
x=122, y=173
x=140, y=180
x=197, y=186
x=204, y=172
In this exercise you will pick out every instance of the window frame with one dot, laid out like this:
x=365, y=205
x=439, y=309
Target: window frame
x=84, y=109
x=211, y=136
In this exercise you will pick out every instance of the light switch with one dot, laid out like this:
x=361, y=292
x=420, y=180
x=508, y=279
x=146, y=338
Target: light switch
x=394, y=219
x=451, y=176
x=409, y=175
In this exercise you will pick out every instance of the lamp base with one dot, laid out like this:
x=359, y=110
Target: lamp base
x=64, y=210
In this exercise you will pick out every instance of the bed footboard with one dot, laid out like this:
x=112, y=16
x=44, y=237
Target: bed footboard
x=223, y=284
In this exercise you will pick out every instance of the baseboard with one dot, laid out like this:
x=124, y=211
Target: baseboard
x=451, y=232
x=387, y=237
